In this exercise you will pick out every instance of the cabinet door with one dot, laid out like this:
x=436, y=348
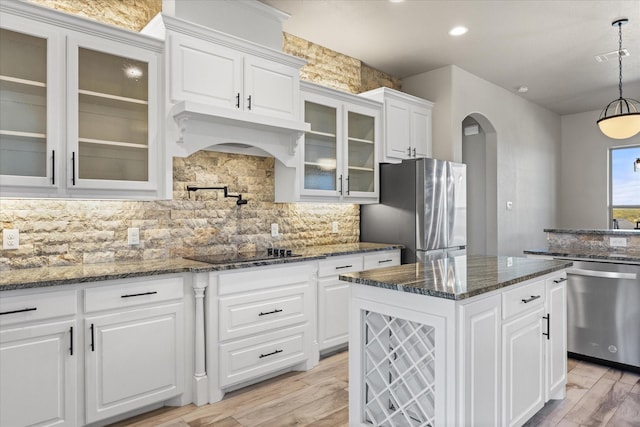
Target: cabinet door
x=112, y=115
x=420, y=132
x=271, y=88
x=360, y=168
x=31, y=102
x=556, y=338
x=133, y=359
x=523, y=368
x=322, y=147
x=399, y=127
x=38, y=375
x=479, y=362
x=333, y=304
x=205, y=73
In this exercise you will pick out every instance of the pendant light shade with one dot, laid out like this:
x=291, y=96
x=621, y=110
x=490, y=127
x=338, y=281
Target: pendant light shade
x=621, y=118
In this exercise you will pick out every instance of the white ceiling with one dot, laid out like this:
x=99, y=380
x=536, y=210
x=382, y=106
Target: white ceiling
x=548, y=45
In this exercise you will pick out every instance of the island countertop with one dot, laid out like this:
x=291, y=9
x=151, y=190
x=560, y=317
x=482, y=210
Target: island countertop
x=457, y=277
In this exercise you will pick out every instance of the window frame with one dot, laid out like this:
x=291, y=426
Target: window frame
x=611, y=206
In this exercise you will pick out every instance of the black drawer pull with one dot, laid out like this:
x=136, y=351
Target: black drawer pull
x=533, y=297
x=19, y=311
x=71, y=341
x=139, y=295
x=270, y=312
x=563, y=279
x=93, y=343
x=548, y=319
x=384, y=260
x=53, y=167
x=344, y=266
x=271, y=354
x=238, y=100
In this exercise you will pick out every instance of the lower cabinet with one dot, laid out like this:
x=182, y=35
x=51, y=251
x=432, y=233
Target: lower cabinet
x=556, y=338
x=38, y=360
x=333, y=294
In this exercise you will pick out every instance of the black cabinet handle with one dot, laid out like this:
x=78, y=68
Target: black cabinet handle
x=533, y=297
x=271, y=354
x=548, y=318
x=18, y=311
x=93, y=344
x=71, y=341
x=238, y=100
x=73, y=168
x=347, y=185
x=139, y=295
x=409, y=151
x=341, y=185
x=562, y=279
x=382, y=261
x=53, y=167
x=249, y=99
x=343, y=266
x=270, y=312
x=414, y=151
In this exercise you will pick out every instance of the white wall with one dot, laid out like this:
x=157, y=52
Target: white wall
x=528, y=147
x=583, y=196
x=474, y=149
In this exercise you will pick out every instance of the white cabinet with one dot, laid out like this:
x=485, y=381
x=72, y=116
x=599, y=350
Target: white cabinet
x=555, y=322
x=333, y=294
x=134, y=353
x=259, y=321
x=406, y=125
x=215, y=74
x=337, y=161
x=80, y=112
x=38, y=360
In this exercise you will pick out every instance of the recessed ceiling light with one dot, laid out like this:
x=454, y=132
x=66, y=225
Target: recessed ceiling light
x=523, y=89
x=396, y=1
x=458, y=31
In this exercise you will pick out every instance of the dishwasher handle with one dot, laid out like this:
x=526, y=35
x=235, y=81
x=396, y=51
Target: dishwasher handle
x=604, y=274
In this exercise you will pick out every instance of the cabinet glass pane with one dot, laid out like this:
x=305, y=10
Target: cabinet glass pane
x=113, y=117
x=361, y=151
x=320, y=154
x=23, y=104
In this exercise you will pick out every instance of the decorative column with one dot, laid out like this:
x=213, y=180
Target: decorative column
x=200, y=379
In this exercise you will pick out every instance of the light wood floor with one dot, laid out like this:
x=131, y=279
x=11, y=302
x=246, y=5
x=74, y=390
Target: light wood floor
x=596, y=396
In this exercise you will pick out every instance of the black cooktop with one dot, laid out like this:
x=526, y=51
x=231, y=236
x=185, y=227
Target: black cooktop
x=244, y=257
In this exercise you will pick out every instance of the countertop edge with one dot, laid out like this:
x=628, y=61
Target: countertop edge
x=621, y=258
x=603, y=231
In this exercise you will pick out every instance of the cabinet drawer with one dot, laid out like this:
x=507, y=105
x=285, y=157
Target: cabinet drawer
x=109, y=297
x=246, y=359
x=28, y=308
x=261, y=278
x=257, y=312
x=340, y=265
x=523, y=298
x=381, y=259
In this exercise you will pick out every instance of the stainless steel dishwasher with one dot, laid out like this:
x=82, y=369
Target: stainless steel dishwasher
x=604, y=311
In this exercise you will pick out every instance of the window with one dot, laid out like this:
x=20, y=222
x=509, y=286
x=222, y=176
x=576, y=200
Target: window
x=624, y=183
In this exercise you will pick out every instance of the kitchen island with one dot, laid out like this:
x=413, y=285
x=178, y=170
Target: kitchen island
x=465, y=340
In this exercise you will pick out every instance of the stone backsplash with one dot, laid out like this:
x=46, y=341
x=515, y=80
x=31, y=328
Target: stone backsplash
x=590, y=240
x=64, y=232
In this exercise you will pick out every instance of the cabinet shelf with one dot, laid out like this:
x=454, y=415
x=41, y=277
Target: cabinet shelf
x=23, y=134
x=321, y=134
x=22, y=81
x=358, y=168
x=364, y=141
x=112, y=143
x=323, y=166
x=113, y=97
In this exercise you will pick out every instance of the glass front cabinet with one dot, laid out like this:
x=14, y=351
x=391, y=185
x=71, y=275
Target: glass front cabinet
x=79, y=111
x=339, y=152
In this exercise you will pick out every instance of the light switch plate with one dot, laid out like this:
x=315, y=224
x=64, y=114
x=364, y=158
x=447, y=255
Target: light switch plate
x=334, y=227
x=274, y=230
x=618, y=242
x=10, y=238
x=133, y=234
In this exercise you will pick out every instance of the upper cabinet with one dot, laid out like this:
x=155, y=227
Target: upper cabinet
x=407, y=125
x=337, y=161
x=80, y=112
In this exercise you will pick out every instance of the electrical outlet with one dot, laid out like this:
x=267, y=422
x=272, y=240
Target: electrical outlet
x=509, y=206
x=618, y=242
x=10, y=238
x=274, y=230
x=133, y=235
x=334, y=227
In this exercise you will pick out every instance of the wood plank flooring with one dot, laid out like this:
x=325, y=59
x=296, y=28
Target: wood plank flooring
x=596, y=396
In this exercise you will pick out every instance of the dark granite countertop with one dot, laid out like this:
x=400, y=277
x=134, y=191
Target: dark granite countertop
x=607, y=255
x=82, y=273
x=617, y=232
x=457, y=277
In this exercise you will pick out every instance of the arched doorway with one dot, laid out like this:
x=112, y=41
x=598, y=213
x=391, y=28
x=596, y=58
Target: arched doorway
x=479, y=153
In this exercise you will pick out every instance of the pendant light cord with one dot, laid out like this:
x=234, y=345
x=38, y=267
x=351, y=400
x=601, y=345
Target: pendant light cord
x=620, y=57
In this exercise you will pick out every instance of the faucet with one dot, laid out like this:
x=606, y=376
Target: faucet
x=616, y=226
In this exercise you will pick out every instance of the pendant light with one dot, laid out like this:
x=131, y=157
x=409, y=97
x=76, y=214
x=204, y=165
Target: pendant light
x=621, y=118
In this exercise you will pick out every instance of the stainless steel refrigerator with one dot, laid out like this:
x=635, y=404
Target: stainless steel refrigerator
x=423, y=206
